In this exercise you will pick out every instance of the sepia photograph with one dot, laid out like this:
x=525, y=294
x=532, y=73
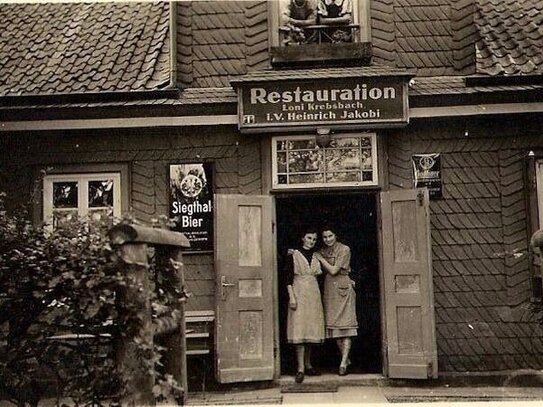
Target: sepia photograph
x=271, y=202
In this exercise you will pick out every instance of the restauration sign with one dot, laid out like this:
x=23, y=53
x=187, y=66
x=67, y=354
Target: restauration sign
x=336, y=102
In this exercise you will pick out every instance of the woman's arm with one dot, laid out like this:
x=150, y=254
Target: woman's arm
x=289, y=279
x=292, y=304
x=333, y=270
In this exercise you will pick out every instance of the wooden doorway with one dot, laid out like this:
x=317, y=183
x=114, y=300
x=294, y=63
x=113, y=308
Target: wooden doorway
x=355, y=217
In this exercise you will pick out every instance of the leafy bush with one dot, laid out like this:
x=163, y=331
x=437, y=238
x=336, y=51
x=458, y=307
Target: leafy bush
x=53, y=284
x=59, y=314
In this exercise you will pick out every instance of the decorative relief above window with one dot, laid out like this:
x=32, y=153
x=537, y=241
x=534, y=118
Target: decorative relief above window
x=344, y=160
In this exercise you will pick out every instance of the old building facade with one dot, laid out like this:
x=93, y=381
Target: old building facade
x=122, y=94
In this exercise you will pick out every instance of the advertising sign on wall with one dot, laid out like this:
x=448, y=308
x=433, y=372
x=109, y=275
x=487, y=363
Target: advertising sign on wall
x=427, y=173
x=191, y=203
x=370, y=101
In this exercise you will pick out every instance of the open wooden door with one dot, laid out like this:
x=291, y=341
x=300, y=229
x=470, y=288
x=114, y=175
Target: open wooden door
x=408, y=289
x=244, y=265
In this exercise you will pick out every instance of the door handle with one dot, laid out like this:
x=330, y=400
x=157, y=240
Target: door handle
x=225, y=284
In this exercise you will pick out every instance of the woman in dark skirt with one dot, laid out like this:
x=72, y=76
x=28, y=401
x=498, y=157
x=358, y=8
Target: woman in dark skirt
x=305, y=321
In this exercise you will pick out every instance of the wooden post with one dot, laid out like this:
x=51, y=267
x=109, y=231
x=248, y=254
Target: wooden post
x=135, y=347
x=171, y=264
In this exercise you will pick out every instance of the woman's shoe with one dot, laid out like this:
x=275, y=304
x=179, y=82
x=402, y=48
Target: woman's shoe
x=299, y=377
x=312, y=372
x=343, y=370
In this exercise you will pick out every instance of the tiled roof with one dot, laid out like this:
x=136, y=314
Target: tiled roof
x=511, y=36
x=189, y=96
x=447, y=85
x=83, y=47
x=419, y=86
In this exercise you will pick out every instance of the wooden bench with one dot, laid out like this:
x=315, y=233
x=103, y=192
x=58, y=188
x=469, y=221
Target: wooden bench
x=199, y=337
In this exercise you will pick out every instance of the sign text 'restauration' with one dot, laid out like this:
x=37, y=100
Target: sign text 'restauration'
x=303, y=103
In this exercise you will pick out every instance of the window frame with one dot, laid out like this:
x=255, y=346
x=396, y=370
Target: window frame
x=275, y=186
x=83, y=179
x=361, y=16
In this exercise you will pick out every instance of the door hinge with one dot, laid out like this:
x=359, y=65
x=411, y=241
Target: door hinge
x=430, y=370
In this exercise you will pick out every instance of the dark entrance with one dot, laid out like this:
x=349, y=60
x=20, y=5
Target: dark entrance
x=354, y=216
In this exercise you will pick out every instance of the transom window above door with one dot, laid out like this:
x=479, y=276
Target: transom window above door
x=339, y=161
x=95, y=197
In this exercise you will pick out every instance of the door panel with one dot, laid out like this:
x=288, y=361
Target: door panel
x=244, y=270
x=408, y=288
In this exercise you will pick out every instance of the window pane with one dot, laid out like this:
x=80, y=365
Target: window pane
x=282, y=179
x=342, y=159
x=367, y=161
x=367, y=175
x=306, y=179
x=305, y=161
x=345, y=142
x=100, y=193
x=281, y=162
x=353, y=176
x=282, y=145
x=65, y=194
x=365, y=142
x=302, y=144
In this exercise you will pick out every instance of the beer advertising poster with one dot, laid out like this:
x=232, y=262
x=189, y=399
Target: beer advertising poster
x=427, y=173
x=191, y=203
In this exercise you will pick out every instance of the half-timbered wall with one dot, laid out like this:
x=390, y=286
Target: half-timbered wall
x=484, y=318
x=148, y=153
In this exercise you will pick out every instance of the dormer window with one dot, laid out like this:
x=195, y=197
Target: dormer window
x=316, y=30
x=317, y=21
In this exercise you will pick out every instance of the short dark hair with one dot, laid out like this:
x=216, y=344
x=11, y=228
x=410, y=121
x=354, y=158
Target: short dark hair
x=308, y=230
x=329, y=226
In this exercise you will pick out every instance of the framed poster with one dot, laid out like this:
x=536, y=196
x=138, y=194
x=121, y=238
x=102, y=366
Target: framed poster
x=427, y=173
x=191, y=203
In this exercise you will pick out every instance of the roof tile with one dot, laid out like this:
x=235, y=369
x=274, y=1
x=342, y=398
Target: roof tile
x=74, y=46
x=511, y=34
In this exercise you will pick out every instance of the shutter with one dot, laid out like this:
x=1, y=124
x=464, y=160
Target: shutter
x=244, y=296
x=409, y=306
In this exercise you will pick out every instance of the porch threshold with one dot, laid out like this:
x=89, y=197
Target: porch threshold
x=332, y=379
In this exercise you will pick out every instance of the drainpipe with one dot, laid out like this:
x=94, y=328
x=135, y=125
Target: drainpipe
x=173, y=45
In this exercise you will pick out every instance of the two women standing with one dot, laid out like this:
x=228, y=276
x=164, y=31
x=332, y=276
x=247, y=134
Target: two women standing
x=310, y=318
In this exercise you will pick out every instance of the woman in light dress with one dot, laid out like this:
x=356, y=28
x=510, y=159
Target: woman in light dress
x=305, y=320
